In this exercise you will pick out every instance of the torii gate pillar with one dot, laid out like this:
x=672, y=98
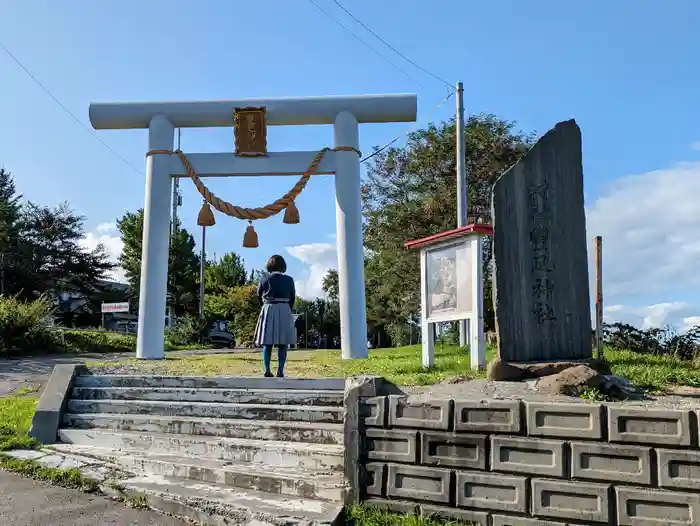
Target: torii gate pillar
x=348, y=224
x=161, y=119
x=150, y=339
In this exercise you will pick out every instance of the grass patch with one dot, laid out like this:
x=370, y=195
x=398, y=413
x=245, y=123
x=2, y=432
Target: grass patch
x=67, y=478
x=16, y=412
x=653, y=372
x=371, y=516
x=401, y=365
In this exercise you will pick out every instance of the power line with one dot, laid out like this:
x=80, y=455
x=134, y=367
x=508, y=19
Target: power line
x=398, y=68
x=390, y=46
x=63, y=107
x=412, y=128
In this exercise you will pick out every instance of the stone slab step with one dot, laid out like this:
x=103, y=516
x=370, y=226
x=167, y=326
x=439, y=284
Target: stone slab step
x=266, y=452
x=211, y=382
x=224, y=506
x=238, y=396
x=296, y=482
x=296, y=413
x=312, y=432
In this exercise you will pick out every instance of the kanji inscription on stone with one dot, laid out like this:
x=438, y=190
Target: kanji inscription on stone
x=541, y=290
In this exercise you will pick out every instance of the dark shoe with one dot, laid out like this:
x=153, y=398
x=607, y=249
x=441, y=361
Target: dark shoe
x=279, y=375
x=268, y=374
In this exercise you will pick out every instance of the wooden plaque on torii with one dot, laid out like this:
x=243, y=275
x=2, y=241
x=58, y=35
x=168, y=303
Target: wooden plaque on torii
x=250, y=131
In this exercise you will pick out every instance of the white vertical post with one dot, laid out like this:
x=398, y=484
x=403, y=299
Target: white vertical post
x=477, y=342
x=426, y=329
x=154, y=255
x=351, y=259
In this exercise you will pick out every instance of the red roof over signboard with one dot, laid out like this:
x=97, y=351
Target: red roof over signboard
x=462, y=231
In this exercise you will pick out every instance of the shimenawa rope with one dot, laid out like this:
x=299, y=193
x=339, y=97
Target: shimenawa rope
x=286, y=202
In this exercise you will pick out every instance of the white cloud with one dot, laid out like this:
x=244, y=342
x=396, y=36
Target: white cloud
x=690, y=322
x=107, y=235
x=650, y=225
x=678, y=314
x=319, y=257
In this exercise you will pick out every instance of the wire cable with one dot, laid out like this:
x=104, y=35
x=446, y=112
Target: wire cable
x=391, y=47
x=398, y=68
x=411, y=129
x=63, y=107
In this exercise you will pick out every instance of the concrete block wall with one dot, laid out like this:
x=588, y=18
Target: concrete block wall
x=520, y=463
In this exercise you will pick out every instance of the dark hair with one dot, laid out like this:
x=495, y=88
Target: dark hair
x=276, y=263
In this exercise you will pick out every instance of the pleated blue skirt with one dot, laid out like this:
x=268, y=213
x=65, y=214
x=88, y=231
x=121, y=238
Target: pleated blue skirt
x=275, y=325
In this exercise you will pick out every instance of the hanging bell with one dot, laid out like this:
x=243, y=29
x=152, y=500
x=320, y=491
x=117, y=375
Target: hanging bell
x=291, y=214
x=250, y=238
x=206, y=216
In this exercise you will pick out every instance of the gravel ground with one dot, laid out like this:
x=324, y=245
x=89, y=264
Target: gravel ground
x=523, y=391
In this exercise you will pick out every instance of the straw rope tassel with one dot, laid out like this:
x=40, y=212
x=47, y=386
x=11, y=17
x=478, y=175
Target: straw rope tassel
x=250, y=238
x=206, y=216
x=286, y=202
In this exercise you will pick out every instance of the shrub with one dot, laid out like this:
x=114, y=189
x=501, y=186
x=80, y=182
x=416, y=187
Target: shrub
x=187, y=330
x=665, y=341
x=24, y=325
x=93, y=341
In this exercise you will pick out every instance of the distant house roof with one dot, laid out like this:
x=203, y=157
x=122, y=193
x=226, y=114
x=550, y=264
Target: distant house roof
x=115, y=285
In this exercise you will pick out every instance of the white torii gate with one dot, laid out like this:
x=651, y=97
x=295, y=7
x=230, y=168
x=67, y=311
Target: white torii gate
x=161, y=119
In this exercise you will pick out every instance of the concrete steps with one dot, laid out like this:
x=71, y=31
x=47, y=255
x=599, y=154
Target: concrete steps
x=217, y=505
x=328, y=485
x=292, y=413
x=312, y=432
x=233, y=396
x=211, y=382
x=248, y=449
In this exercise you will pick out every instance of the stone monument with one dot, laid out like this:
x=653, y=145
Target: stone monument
x=541, y=291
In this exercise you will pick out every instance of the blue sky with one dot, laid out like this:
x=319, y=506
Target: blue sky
x=626, y=70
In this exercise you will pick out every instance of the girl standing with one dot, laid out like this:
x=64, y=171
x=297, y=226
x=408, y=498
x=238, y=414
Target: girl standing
x=275, y=323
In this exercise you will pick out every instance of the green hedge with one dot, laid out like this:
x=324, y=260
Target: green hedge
x=25, y=328
x=93, y=341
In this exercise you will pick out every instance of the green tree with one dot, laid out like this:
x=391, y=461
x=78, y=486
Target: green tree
x=52, y=255
x=183, y=273
x=12, y=278
x=183, y=263
x=330, y=284
x=239, y=305
x=410, y=193
x=130, y=228
x=322, y=318
x=228, y=272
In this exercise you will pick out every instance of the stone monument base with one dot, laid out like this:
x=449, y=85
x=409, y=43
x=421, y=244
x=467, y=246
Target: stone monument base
x=570, y=378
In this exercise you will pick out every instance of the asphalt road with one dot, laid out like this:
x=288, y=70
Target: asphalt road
x=25, y=502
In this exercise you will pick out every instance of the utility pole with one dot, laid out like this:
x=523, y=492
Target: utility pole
x=176, y=194
x=177, y=201
x=202, y=261
x=462, y=195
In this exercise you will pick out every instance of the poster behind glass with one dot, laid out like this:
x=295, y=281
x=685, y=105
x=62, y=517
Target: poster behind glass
x=448, y=280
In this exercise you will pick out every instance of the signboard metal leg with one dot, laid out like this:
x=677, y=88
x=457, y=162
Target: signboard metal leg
x=428, y=345
x=427, y=329
x=477, y=342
